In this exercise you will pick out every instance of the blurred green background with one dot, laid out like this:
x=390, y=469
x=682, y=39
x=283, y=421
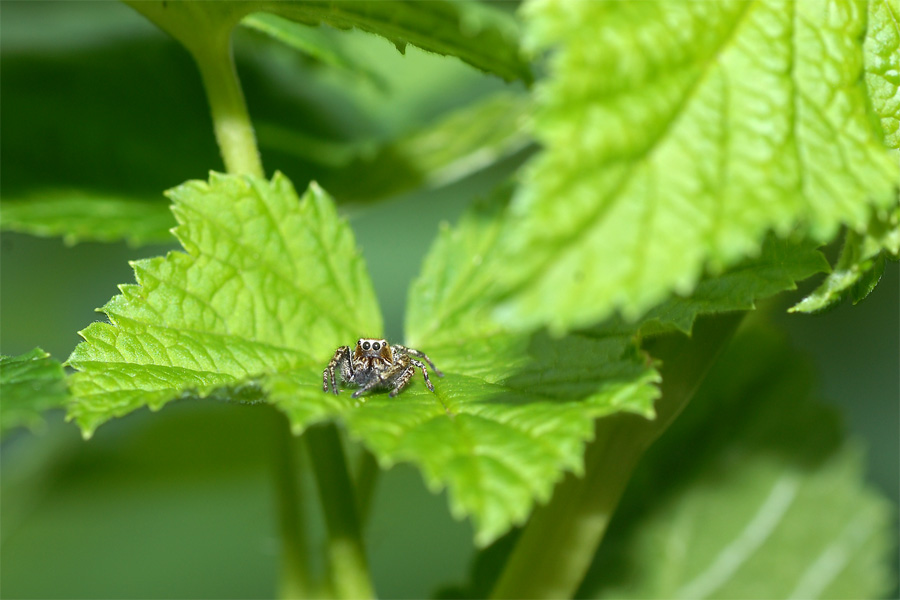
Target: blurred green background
x=181, y=503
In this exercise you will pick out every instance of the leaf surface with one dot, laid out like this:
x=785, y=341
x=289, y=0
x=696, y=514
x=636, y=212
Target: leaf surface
x=267, y=283
x=712, y=123
x=882, y=62
x=768, y=503
x=30, y=384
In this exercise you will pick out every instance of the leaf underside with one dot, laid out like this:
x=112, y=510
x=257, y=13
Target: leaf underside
x=713, y=123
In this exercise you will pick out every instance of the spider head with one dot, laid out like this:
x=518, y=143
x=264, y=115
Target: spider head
x=374, y=347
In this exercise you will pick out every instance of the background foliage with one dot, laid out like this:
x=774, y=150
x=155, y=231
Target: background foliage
x=355, y=106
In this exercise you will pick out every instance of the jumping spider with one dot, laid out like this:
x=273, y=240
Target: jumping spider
x=376, y=364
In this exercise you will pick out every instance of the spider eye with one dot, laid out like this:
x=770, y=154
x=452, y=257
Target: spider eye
x=366, y=346
x=376, y=346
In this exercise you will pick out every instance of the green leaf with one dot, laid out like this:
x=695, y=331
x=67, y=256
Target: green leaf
x=767, y=503
x=860, y=265
x=78, y=215
x=481, y=35
x=713, y=123
x=268, y=283
x=882, y=62
x=30, y=383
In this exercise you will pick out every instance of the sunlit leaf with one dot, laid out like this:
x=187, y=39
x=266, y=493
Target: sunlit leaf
x=712, y=123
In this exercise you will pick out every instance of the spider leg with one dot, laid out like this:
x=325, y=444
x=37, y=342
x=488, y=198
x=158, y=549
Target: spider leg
x=402, y=380
x=413, y=352
x=417, y=363
x=341, y=359
x=372, y=383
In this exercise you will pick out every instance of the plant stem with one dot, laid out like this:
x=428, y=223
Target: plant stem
x=231, y=121
x=348, y=566
x=295, y=582
x=558, y=544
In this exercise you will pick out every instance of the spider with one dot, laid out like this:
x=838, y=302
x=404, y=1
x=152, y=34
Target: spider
x=376, y=364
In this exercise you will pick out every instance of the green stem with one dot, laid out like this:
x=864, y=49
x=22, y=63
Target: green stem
x=204, y=28
x=231, y=121
x=558, y=544
x=348, y=566
x=294, y=582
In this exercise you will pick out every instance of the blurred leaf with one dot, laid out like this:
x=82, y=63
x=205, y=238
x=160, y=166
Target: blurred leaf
x=79, y=216
x=30, y=384
x=91, y=137
x=267, y=284
x=714, y=123
x=768, y=503
x=481, y=35
x=859, y=266
x=311, y=41
x=464, y=142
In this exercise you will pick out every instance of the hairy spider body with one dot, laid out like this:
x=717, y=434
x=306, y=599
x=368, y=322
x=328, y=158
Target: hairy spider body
x=373, y=364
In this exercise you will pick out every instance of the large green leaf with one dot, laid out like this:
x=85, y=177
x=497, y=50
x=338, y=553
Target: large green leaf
x=29, y=384
x=267, y=283
x=704, y=126
x=767, y=503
